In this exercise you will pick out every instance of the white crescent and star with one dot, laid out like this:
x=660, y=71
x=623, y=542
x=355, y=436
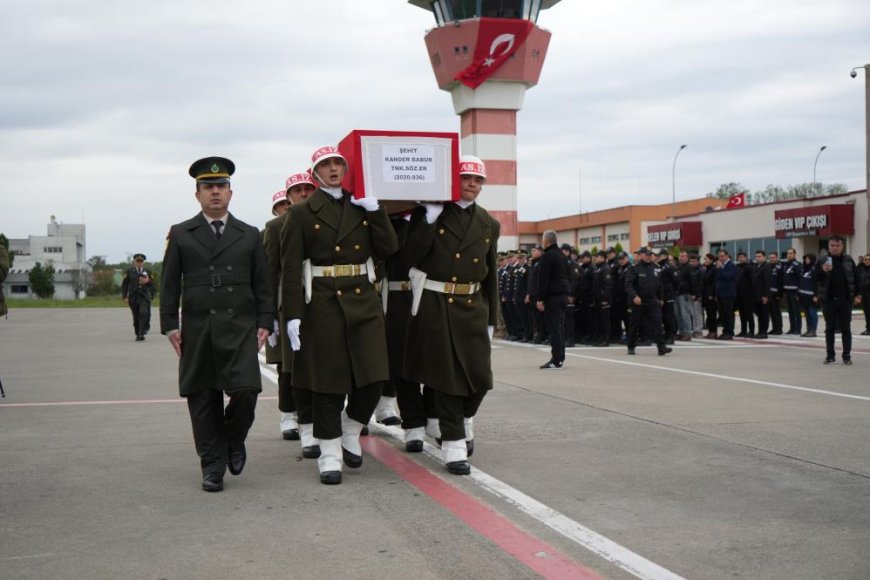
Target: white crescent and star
x=507, y=38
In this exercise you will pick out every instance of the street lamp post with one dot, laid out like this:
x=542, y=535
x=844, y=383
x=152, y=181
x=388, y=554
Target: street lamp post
x=674, y=185
x=814, y=166
x=853, y=74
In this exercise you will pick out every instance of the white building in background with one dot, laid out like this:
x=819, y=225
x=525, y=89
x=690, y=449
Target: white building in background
x=63, y=247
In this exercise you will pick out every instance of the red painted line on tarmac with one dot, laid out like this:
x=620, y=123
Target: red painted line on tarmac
x=534, y=553
x=95, y=403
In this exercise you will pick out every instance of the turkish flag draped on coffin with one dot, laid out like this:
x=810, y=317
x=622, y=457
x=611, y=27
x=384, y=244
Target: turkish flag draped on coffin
x=497, y=40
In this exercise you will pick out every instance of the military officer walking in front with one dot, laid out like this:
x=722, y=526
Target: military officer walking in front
x=453, y=248
x=333, y=315
x=643, y=285
x=215, y=269
x=137, y=290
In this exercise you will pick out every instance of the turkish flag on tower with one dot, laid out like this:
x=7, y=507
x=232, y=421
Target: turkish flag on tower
x=497, y=40
x=738, y=200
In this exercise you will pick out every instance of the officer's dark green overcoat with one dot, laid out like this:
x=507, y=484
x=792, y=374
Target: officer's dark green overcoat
x=224, y=292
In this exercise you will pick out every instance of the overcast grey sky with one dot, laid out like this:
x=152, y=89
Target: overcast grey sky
x=104, y=104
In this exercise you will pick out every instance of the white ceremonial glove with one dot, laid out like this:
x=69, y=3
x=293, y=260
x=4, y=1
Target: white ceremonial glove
x=273, y=338
x=433, y=210
x=293, y=333
x=367, y=203
x=491, y=331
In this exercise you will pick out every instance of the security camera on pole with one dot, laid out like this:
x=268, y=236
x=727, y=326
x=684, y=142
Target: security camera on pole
x=487, y=56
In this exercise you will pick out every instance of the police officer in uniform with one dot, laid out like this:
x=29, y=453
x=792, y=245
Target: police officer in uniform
x=215, y=269
x=522, y=302
x=645, y=291
x=296, y=190
x=453, y=250
x=791, y=278
x=584, y=299
x=334, y=317
x=774, y=305
x=602, y=287
x=669, y=280
x=137, y=290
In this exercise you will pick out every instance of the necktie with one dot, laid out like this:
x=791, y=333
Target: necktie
x=217, y=225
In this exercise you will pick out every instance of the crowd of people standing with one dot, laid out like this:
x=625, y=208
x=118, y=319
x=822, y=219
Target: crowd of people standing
x=697, y=298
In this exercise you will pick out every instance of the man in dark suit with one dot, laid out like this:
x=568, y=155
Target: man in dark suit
x=453, y=250
x=215, y=268
x=554, y=285
x=332, y=312
x=761, y=275
x=726, y=293
x=137, y=290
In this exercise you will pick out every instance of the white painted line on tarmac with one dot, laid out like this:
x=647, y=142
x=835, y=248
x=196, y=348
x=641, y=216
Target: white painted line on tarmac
x=603, y=547
x=723, y=377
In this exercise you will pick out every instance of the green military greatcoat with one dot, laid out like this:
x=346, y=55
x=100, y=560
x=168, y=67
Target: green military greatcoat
x=342, y=331
x=272, y=244
x=224, y=292
x=448, y=345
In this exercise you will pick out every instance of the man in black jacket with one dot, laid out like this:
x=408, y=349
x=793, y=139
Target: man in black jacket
x=619, y=308
x=669, y=295
x=583, y=299
x=643, y=285
x=864, y=285
x=745, y=296
x=791, y=277
x=602, y=285
x=553, y=288
x=761, y=292
x=774, y=304
x=838, y=290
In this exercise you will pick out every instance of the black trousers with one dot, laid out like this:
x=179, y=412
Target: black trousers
x=521, y=311
x=710, y=308
x=865, y=305
x=618, y=320
x=304, y=401
x=452, y=410
x=416, y=403
x=794, y=311
x=361, y=404
x=603, y=323
x=838, y=316
x=286, y=403
x=745, y=303
x=649, y=316
x=762, y=312
x=774, y=308
x=508, y=315
x=585, y=328
x=726, y=315
x=216, y=430
x=141, y=310
x=554, y=314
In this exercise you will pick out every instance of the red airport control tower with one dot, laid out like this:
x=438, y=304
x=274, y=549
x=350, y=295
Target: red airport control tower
x=486, y=53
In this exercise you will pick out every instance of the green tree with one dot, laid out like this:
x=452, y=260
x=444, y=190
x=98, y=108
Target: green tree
x=103, y=283
x=5, y=241
x=42, y=280
x=594, y=250
x=618, y=248
x=98, y=263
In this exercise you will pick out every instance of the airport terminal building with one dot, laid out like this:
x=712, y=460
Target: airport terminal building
x=705, y=225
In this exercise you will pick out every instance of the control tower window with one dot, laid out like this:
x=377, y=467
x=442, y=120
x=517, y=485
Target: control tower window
x=501, y=8
x=463, y=9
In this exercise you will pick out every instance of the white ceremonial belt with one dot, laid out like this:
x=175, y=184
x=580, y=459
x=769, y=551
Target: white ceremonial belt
x=451, y=287
x=339, y=270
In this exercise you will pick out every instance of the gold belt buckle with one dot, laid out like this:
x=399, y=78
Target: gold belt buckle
x=463, y=289
x=406, y=285
x=449, y=288
x=327, y=272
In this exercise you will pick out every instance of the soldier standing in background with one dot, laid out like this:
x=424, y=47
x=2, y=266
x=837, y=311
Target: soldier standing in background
x=583, y=301
x=602, y=288
x=775, y=303
x=137, y=290
x=215, y=269
x=571, y=307
x=521, y=299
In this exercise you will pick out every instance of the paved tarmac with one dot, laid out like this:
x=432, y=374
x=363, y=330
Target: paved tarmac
x=738, y=460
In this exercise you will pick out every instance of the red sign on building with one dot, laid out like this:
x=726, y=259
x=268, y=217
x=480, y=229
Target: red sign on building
x=819, y=220
x=683, y=234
